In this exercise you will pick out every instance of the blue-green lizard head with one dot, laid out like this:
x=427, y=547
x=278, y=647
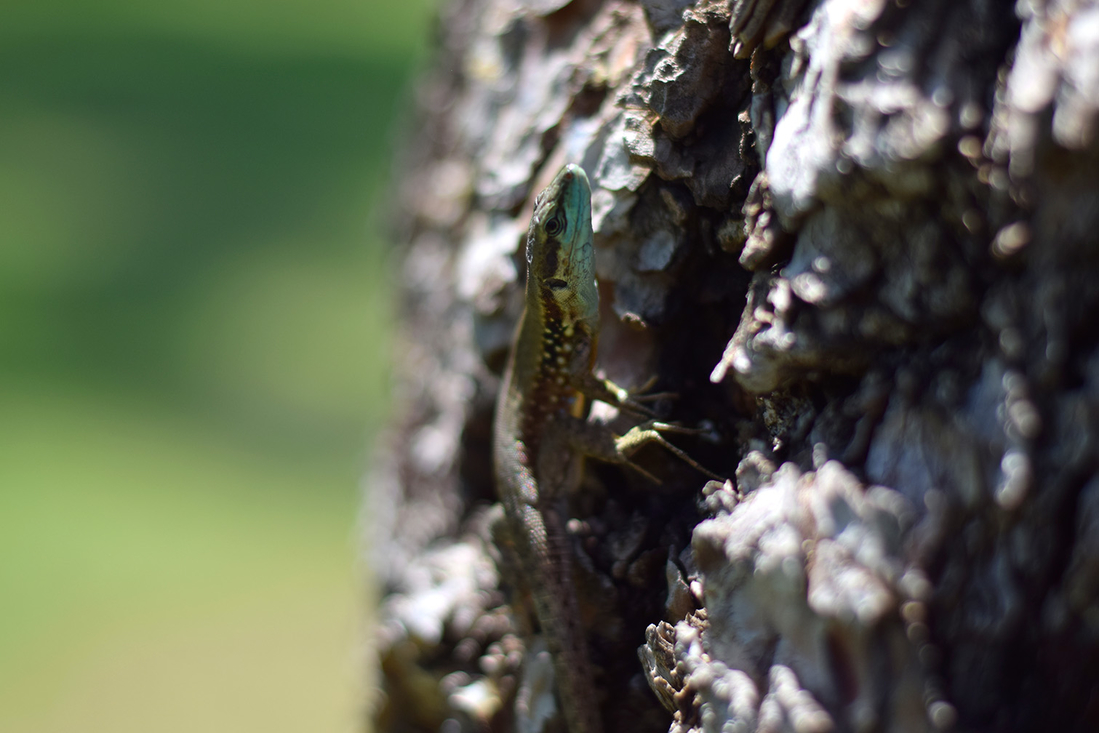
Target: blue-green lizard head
x=560, y=258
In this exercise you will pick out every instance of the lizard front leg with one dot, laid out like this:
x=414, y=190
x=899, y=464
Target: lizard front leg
x=604, y=390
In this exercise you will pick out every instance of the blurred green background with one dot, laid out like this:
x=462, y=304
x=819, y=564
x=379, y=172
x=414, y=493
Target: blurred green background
x=194, y=313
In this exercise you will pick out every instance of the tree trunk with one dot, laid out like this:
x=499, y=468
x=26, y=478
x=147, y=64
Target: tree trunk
x=858, y=242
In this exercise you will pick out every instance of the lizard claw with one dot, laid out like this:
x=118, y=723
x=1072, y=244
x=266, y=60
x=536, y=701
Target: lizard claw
x=642, y=394
x=654, y=396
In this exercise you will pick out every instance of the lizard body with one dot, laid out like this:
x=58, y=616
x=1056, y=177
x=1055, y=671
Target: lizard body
x=540, y=435
x=538, y=399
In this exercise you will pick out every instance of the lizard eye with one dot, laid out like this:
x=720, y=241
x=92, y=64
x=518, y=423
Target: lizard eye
x=554, y=226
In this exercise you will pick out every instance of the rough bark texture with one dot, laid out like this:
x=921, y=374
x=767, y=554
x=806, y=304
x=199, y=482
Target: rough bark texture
x=858, y=239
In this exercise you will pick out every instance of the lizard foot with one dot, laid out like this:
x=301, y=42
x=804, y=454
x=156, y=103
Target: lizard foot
x=650, y=432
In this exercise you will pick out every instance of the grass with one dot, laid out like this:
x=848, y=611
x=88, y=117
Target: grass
x=194, y=310
x=147, y=555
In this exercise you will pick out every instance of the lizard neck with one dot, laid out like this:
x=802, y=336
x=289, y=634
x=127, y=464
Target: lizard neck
x=555, y=348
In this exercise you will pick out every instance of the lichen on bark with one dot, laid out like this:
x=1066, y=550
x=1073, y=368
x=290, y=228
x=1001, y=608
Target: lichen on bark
x=858, y=241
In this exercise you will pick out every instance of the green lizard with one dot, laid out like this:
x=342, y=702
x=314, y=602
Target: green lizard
x=541, y=435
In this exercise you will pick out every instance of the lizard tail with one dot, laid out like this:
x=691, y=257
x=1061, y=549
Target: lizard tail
x=559, y=615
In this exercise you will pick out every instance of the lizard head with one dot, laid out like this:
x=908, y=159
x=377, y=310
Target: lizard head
x=560, y=259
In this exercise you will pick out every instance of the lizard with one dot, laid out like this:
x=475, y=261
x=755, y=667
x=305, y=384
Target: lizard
x=540, y=434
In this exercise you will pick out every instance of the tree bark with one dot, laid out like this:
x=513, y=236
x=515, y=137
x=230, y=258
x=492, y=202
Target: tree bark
x=857, y=240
